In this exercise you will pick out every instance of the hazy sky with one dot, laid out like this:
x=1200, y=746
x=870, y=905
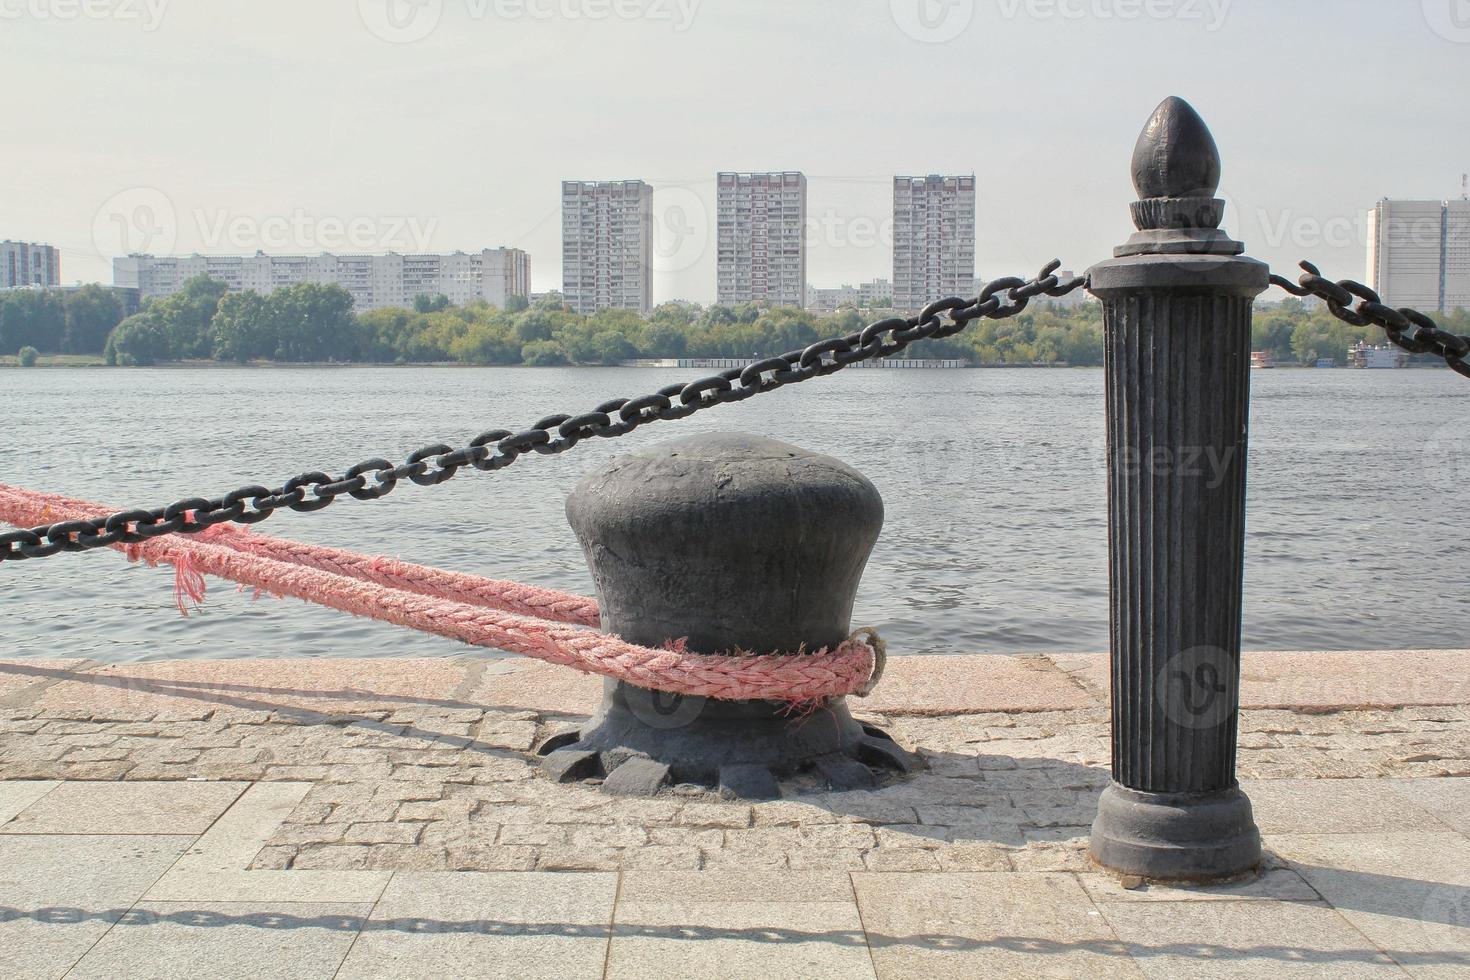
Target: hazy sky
x=368, y=125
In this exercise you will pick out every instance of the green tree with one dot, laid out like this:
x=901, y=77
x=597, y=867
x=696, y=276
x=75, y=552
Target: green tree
x=140, y=340
x=31, y=318
x=28, y=356
x=244, y=328
x=313, y=322
x=91, y=312
x=424, y=303
x=186, y=317
x=544, y=353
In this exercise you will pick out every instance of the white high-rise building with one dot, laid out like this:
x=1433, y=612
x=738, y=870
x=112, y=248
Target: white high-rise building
x=375, y=281
x=1419, y=254
x=29, y=264
x=762, y=239
x=933, y=239
x=607, y=245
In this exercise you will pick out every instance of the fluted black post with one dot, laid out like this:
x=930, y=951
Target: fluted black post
x=1177, y=300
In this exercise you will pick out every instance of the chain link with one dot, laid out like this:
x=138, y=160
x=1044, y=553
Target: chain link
x=1407, y=328
x=432, y=465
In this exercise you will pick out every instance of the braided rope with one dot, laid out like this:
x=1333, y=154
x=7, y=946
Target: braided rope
x=529, y=600
x=845, y=670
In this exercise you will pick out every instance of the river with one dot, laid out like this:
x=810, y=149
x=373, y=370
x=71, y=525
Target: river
x=994, y=483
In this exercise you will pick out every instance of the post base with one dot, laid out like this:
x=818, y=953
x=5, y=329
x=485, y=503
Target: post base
x=1197, y=837
x=738, y=748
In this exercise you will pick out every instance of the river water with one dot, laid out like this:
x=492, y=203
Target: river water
x=994, y=483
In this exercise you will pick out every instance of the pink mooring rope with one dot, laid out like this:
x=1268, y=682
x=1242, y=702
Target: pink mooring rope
x=540, y=623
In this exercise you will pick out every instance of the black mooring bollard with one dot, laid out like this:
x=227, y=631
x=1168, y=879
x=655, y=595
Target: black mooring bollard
x=736, y=543
x=1177, y=306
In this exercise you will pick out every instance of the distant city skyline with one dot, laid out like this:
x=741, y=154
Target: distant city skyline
x=304, y=160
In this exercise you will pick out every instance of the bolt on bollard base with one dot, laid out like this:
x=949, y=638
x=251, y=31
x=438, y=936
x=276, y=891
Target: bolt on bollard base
x=1177, y=302
x=728, y=542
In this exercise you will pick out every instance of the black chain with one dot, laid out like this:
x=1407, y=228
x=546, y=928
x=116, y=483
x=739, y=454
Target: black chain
x=1413, y=331
x=432, y=465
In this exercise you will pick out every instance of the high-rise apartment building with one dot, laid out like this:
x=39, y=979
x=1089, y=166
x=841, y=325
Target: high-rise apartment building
x=28, y=264
x=933, y=239
x=607, y=245
x=1419, y=254
x=761, y=239
x=375, y=281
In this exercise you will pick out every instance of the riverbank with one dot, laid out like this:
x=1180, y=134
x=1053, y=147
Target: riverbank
x=229, y=816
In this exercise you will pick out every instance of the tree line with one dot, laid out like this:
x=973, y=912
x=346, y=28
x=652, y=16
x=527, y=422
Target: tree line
x=316, y=323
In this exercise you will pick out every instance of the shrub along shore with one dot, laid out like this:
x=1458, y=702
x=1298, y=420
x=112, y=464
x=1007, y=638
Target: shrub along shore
x=310, y=323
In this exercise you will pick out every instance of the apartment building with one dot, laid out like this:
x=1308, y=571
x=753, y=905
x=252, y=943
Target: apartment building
x=374, y=281
x=1419, y=254
x=28, y=264
x=933, y=238
x=864, y=296
x=607, y=245
x=761, y=239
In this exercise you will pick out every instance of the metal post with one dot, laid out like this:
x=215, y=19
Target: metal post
x=1177, y=300
x=730, y=542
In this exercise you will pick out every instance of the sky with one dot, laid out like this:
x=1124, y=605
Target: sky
x=302, y=126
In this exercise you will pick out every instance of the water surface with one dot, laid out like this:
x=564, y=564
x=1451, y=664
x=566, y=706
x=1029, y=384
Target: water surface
x=993, y=480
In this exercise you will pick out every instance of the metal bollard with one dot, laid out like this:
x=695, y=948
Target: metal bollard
x=731, y=542
x=1177, y=305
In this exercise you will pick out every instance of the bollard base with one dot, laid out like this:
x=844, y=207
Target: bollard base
x=740, y=749
x=1197, y=837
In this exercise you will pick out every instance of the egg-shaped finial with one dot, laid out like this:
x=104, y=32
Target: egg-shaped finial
x=1176, y=156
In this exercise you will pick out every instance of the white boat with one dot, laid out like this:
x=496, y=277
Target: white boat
x=1262, y=359
x=1362, y=355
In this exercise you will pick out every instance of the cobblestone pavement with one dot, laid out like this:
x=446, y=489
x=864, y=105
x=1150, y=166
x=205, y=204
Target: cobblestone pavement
x=432, y=788
x=282, y=818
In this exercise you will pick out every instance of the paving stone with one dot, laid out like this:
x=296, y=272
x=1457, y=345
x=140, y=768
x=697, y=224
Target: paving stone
x=17, y=796
x=986, y=925
x=331, y=857
x=473, y=856
x=60, y=894
x=524, y=925
x=1447, y=799
x=536, y=835
x=737, y=925
x=159, y=939
x=1407, y=892
x=901, y=859
x=1334, y=806
x=912, y=835
x=126, y=808
x=826, y=859
x=382, y=833
x=732, y=815
x=1266, y=938
x=564, y=857
x=974, y=857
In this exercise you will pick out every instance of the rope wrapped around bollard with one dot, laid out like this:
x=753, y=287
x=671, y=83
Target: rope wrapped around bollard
x=538, y=623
